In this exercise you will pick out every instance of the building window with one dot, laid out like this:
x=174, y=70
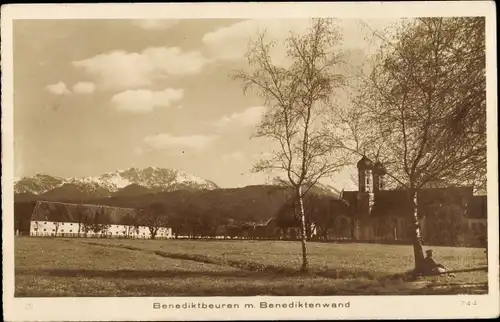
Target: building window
x=36, y=229
x=70, y=230
x=62, y=230
x=53, y=230
x=71, y=224
x=45, y=230
x=45, y=222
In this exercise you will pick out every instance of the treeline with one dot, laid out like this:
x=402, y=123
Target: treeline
x=263, y=212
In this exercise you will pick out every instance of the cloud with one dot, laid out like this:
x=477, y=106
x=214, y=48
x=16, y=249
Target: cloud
x=124, y=70
x=179, y=144
x=58, y=89
x=155, y=24
x=231, y=42
x=84, y=87
x=249, y=117
x=144, y=101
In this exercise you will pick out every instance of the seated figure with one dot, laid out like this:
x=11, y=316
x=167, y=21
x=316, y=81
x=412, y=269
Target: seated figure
x=432, y=268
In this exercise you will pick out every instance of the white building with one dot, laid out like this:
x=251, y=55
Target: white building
x=80, y=220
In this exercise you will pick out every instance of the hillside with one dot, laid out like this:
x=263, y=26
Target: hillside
x=249, y=204
x=252, y=203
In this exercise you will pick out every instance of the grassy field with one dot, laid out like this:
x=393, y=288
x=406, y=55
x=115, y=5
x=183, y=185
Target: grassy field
x=118, y=267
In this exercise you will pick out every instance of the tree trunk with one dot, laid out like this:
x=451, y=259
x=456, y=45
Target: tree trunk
x=417, y=238
x=303, y=235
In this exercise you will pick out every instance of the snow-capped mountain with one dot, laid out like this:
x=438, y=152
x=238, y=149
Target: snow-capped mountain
x=157, y=179
x=37, y=184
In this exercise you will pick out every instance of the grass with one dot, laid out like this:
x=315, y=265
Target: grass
x=119, y=267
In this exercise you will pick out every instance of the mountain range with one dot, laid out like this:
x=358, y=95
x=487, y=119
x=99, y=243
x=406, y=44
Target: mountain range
x=128, y=182
x=120, y=183
x=181, y=192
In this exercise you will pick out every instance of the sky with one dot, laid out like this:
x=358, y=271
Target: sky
x=94, y=96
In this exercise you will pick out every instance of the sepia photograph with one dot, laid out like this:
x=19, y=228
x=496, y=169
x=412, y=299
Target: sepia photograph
x=300, y=157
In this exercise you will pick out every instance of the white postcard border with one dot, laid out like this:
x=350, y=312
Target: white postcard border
x=360, y=307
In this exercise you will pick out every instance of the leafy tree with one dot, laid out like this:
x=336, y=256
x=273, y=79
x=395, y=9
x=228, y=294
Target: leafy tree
x=84, y=218
x=22, y=216
x=296, y=96
x=132, y=223
x=422, y=109
x=446, y=226
x=154, y=217
x=178, y=224
x=209, y=223
x=384, y=226
x=323, y=212
x=85, y=227
x=93, y=219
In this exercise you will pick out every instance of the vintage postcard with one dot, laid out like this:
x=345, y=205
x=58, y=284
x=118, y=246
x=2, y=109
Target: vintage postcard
x=249, y=161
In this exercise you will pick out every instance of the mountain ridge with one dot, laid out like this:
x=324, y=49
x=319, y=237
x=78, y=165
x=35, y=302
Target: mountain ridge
x=121, y=183
x=106, y=184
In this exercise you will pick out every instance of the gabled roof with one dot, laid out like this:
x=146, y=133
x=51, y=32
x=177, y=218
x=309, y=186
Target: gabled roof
x=67, y=212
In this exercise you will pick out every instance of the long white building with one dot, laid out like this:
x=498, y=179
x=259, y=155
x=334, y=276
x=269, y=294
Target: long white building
x=82, y=220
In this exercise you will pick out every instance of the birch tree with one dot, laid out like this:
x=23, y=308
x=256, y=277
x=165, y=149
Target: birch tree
x=296, y=96
x=422, y=110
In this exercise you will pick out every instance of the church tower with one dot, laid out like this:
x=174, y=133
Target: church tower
x=379, y=173
x=365, y=177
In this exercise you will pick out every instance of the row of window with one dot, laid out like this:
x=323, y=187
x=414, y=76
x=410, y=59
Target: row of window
x=111, y=233
x=117, y=226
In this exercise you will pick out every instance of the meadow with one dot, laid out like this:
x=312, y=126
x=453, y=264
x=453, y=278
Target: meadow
x=54, y=267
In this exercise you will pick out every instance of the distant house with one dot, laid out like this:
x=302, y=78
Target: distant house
x=83, y=220
x=447, y=215
x=380, y=214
